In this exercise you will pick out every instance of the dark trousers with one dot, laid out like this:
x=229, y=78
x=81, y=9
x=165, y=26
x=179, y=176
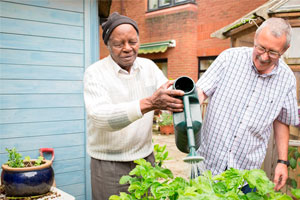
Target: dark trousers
x=246, y=189
x=105, y=177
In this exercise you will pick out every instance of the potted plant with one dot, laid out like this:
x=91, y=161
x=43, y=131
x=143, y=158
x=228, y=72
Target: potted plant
x=166, y=123
x=27, y=177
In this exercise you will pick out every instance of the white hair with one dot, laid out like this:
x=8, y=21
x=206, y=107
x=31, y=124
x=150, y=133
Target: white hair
x=278, y=27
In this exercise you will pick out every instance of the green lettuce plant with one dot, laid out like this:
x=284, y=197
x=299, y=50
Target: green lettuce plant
x=149, y=182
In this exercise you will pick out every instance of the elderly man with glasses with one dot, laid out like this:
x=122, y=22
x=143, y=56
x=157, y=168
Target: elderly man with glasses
x=251, y=92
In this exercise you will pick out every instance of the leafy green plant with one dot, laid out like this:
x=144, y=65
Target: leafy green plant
x=160, y=154
x=156, y=183
x=39, y=161
x=296, y=193
x=15, y=160
x=294, y=159
x=165, y=119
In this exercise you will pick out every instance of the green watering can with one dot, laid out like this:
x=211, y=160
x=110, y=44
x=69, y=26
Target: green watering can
x=187, y=124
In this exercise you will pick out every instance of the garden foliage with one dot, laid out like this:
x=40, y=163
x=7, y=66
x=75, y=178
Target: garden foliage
x=149, y=182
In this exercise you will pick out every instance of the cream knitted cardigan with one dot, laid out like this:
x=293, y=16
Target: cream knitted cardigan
x=116, y=128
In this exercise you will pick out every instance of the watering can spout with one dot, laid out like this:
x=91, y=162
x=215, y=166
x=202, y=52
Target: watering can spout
x=187, y=124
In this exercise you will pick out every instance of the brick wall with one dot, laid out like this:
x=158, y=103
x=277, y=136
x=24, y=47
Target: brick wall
x=190, y=25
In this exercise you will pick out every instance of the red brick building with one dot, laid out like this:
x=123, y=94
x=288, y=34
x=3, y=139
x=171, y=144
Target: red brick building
x=187, y=22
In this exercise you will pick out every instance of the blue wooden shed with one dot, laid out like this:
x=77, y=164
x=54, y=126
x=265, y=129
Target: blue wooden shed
x=45, y=47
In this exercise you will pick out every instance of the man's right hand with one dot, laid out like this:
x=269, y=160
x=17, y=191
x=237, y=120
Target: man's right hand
x=201, y=95
x=163, y=99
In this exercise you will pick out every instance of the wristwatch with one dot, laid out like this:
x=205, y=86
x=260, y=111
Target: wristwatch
x=286, y=162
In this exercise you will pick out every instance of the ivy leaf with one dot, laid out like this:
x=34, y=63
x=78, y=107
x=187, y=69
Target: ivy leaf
x=293, y=183
x=293, y=163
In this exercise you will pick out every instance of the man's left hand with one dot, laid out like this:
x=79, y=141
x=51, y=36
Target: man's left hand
x=281, y=175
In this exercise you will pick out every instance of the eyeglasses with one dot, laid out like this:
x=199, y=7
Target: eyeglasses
x=262, y=50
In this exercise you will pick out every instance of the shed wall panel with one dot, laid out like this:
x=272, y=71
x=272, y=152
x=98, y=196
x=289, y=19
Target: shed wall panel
x=40, y=72
x=33, y=13
x=18, y=26
x=71, y=5
x=42, y=61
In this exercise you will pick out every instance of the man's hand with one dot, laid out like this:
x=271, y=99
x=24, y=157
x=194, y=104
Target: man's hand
x=163, y=99
x=201, y=95
x=281, y=175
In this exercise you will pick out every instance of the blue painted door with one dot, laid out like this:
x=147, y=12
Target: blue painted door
x=42, y=60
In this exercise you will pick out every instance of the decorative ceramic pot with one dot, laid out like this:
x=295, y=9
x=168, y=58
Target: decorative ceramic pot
x=28, y=181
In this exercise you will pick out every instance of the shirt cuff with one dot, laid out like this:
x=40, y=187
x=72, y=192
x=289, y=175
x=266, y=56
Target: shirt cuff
x=134, y=111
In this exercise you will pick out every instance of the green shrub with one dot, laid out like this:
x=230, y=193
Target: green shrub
x=149, y=182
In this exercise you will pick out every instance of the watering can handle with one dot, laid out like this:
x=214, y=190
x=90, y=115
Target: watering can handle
x=49, y=150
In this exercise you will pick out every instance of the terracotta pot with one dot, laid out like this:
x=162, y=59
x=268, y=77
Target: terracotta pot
x=169, y=129
x=28, y=181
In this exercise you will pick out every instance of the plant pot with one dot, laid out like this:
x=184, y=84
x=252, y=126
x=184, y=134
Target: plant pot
x=168, y=129
x=28, y=181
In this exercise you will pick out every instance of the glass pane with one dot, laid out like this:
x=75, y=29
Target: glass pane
x=164, y=2
x=293, y=51
x=179, y=1
x=153, y=4
x=163, y=66
x=204, y=64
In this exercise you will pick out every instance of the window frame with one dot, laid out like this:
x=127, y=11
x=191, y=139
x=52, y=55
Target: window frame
x=172, y=4
x=206, y=58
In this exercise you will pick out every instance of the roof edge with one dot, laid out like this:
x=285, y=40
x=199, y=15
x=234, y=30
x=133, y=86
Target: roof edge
x=260, y=12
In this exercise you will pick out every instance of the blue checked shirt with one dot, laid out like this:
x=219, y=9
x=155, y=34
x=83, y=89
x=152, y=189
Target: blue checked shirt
x=242, y=107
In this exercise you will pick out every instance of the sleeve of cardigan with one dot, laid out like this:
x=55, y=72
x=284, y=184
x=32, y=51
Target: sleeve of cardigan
x=100, y=110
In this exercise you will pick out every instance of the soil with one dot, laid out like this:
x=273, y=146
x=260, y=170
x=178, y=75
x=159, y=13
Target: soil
x=176, y=164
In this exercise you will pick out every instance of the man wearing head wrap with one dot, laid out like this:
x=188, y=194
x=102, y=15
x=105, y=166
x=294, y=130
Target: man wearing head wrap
x=121, y=93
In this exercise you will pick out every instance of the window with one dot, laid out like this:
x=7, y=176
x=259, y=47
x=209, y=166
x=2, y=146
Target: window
x=159, y=4
x=204, y=63
x=163, y=65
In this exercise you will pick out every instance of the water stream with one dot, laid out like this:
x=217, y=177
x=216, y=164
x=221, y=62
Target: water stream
x=195, y=169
